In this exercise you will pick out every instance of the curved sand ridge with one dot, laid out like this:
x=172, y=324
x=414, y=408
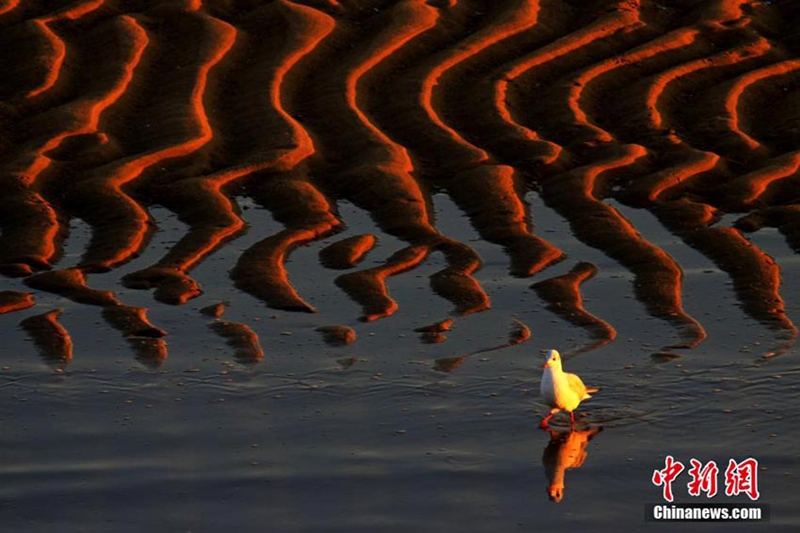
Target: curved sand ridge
x=8, y=5
x=563, y=297
x=724, y=246
x=300, y=105
x=50, y=337
x=33, y=232
x=266, y=140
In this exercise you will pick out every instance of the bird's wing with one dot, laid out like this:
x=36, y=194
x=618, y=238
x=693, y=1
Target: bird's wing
x=579, y=459
x=577, y=386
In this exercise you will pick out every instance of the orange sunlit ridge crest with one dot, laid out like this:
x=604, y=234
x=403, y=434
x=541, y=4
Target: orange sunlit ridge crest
x=300, y=106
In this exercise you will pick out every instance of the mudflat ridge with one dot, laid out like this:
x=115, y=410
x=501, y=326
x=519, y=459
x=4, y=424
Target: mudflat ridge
x=108, y=108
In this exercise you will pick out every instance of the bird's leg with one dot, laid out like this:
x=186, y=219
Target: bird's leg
x=545, y=420
x=572, y=419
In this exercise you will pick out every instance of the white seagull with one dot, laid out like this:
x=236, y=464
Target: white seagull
x=561, y=390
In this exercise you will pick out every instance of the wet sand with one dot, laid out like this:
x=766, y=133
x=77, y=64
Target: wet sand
x=290, y=265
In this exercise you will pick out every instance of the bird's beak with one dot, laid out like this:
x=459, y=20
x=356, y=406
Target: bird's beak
x=545, y=364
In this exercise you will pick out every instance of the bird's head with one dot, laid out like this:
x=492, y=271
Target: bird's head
x=555, y=492
x=552, y=359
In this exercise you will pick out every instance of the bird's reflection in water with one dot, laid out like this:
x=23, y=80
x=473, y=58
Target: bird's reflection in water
x=566, y=449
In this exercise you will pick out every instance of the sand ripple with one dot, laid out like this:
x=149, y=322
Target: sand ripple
x=108, y=108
